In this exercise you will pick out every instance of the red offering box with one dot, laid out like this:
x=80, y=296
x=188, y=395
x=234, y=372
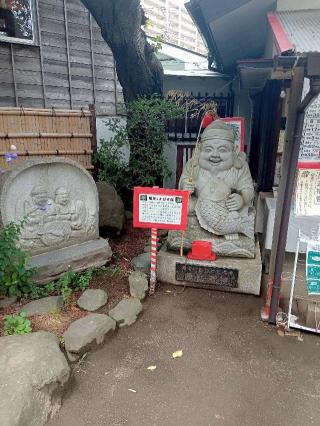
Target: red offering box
x=201, y=250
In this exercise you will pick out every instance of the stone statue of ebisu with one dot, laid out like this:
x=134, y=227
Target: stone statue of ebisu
x=221, y=195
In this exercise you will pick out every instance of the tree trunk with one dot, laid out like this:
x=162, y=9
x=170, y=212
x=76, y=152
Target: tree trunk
x=139, y=71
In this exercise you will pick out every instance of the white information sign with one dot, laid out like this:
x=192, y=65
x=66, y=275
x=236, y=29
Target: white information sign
x=310, y=142
x=160, y=209
x=307, y=197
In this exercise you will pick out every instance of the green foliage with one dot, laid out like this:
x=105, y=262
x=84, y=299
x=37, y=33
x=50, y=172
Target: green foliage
x=16, y=324
x=146, y=134
x=109, y=271
x=110, y=158
x=37, y=292
x=82, y=281
x=15, y=277
x=69, y=282
x=156, y=42
x=147, y=120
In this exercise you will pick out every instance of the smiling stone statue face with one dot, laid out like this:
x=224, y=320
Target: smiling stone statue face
x=216, y=155
x=221, y=193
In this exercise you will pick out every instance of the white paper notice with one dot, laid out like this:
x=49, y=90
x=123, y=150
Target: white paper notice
x=160, y=209
x=310, y=142
x=307, y=200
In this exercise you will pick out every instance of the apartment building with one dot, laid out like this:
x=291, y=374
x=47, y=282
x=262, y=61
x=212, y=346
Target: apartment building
x=170, y=20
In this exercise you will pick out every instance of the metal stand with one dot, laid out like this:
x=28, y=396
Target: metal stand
x=293, y=324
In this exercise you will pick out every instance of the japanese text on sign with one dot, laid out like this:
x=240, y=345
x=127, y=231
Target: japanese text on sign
x=160, y=208
x=310, y=142
x=307, y=199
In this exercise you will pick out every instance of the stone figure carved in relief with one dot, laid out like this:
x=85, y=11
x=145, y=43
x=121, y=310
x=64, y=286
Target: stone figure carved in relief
x=221, y=196
x=55, y=221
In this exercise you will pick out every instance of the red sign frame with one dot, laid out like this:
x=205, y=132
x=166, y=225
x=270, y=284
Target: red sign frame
x=138, y=190
x=312, y=165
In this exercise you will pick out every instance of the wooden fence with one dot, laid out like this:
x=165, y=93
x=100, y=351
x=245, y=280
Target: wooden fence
x=39, y=133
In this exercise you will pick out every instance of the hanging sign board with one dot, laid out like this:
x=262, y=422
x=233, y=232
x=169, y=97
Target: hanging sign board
x=313, y=267
x=237, y=123
x=310, y=142
x=307, y=196
x=160, y=208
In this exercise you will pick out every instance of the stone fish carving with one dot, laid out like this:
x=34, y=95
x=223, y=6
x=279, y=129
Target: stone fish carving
x=221, y=195
x=214, y=216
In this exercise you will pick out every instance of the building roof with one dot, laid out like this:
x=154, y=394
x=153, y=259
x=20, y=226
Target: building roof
x=181, y=62
x=233, y=29
x=195, y=73
x=302, y=28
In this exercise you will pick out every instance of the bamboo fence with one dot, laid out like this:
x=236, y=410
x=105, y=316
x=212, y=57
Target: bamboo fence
x=39, y=133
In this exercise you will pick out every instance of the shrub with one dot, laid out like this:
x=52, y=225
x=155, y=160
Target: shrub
x=146, y=134
x=16, y=324
x=110, y=158
x=15, y=277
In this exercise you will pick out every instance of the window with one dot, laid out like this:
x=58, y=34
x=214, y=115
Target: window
x=16, y=21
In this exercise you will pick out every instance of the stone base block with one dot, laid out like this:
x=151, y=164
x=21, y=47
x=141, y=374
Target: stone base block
x=77, y=258
x=249, y=271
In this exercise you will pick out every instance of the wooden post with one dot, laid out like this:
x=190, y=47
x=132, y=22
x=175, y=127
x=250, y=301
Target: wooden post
x=295, y=100
x=93, y=131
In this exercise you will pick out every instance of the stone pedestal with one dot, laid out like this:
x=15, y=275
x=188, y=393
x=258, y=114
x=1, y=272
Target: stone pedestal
x=245, y=273
x=51, y=266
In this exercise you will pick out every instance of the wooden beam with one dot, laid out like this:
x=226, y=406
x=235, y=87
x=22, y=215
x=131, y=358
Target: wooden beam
x=68, y=50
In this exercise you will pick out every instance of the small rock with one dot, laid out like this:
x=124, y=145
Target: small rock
x=87, y=332
x=7, y=301
x=138, y=283
x=142, y=263
x=126, y=312
x=129, y=215
x=34, y=374
x=111, y=208
x=43, y=306
x=92, y=299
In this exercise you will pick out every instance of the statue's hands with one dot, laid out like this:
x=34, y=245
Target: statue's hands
x=189, y=186
x=234, y=202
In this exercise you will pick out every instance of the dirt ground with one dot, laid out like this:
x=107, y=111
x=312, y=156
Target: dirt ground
x=234, y=371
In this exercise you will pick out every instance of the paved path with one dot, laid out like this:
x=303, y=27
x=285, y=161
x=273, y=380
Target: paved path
x=235, y=370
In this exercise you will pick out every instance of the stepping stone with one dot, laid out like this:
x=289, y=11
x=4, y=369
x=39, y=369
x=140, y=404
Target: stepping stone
x=87, y=333
x=92, y=299
x=7, y=301
x=126, y=312
x=139, y=285
x=142, y=263
x=43, y=306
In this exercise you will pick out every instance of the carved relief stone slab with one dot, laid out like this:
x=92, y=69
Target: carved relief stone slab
x=59, y=199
